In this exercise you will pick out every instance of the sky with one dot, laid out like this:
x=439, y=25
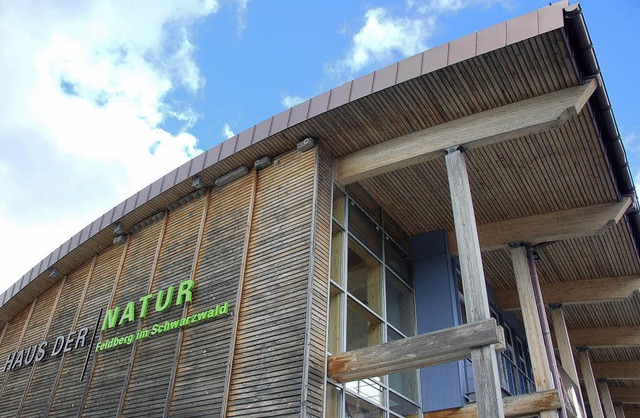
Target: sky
x=99, y=98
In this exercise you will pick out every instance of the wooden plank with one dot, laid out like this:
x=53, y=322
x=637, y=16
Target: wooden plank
x=485, y=364
x=413, y=353
x=625, y=395
x=620, y=370
x=489, y=127
x=539, y=361
x=590, y=383
x=514, y=406
x=563, y=342
x=605, y=397
x=605, y=337
x=551, y=226
x=575, y=292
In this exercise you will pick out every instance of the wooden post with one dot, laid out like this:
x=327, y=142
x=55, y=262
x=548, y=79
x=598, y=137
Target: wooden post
x=605, y=396
x=537, y=350
x=485, y=364
x=590, y=382
x=564, y=347
x=619, y=410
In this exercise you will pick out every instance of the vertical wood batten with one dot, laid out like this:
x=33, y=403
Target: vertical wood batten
x=44, y=336
x=73, y=326
x=85, y=392
x=590, y=382
x=140, y=321
x=485, y=364
x=192, y=274
x=238, y=304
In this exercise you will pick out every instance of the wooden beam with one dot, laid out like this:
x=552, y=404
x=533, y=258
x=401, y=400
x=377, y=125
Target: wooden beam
x=546, y=227
x=605, y=337
x=491, y=126
x=620, y=411
x=625, y=395
x=533, y=329
x=514, y=406
x=590, y=383
x=412, y=353
x=484, y=361
x=617, y=370
x=576, y=292
x=605, y=397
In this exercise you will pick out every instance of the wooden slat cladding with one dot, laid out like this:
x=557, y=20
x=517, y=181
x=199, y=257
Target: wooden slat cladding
x=202, y=363
x=46, y=372
x=67, y=392
x=153, y=363
x=315, y=356
x=17, y=380
x=272, y=315
x=111, y=366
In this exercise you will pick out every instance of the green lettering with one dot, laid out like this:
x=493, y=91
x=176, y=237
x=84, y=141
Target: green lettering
x=184, y=291
x=224, y=309
x=110, y=318
x=129, y=313
x=163, y=305
x=145, y=305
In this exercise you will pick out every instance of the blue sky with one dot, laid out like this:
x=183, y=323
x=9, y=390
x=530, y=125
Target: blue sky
x=101, y=97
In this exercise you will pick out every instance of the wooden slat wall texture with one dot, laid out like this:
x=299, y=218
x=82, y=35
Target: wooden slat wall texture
x=313, y=403
x=184, y=372
x=18, y=380
x=267, y=367
x=110, y=370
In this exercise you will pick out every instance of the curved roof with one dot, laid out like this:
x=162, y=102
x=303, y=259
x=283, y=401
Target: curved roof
x=533, y=54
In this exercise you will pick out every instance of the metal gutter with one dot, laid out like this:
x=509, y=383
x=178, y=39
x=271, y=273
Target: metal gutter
x=603, y=117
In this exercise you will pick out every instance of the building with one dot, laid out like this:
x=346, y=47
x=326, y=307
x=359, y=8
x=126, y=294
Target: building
x=386, y=248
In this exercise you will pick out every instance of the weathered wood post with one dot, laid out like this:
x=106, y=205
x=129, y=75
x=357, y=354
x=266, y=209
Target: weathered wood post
x=485, y=364
x=605, y=397
x=590, y=382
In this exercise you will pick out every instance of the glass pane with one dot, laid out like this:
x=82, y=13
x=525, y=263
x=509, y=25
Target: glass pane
x=358, y=408
x=403, y=407
x=368, y=389
x=363, y=328
x=396, y=232
x=339, y=202
x=334, y=401
x=365, y=201
x=398, y=261
x=363, y=277
x=363, y=228
x=405, y=383
x=335, y=320
x=337, y=254
x=400, y=305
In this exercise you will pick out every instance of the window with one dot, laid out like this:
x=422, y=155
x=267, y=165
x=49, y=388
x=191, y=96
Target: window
x=371, y=301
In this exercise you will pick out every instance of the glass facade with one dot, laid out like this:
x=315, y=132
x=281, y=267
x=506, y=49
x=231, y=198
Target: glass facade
x=371, y=302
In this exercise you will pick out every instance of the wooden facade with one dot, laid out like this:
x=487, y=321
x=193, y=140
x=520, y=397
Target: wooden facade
x=498, y=142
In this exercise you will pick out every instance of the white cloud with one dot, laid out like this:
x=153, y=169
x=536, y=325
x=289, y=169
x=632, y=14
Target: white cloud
x=85, y=88
x=242, y=15
x=290, y=101
x=381, y=37
x=227, y=132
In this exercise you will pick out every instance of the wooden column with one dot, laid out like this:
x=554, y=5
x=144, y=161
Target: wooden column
x=605, y=397
x=590, y=382
x=619, y=410
x=565, y=348
x=485, y=364
x=533, y=329
x=563, y=342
